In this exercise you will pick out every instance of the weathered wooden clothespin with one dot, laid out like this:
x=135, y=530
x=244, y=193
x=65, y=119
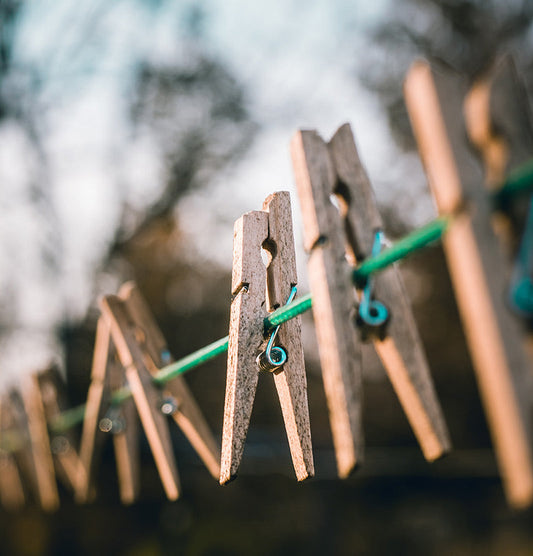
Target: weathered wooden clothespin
x=12, y=494
x=107, y=376
x=63, y=447
x=252, y=285
x=337, y=239
x=477, y=260
x=35, y=454
x=178, y=400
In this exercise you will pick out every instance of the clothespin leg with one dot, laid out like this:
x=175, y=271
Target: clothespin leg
x=291, y=381
x=246, y=330
x=43, y=464
x=12, y=493
x=333, y=297
x=107, y=375
x=93, y=413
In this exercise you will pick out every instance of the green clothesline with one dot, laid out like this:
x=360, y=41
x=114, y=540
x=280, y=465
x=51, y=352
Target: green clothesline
x=411, y=243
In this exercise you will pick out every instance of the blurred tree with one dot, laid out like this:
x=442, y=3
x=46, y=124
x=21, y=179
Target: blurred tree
x=103, y=127
x=464, y=34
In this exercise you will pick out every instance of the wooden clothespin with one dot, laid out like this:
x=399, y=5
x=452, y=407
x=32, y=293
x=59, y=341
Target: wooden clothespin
x=130, y=340
x=178, y=399
x=66, y=459
x=252, y=285
x=499, y=124
x=12, y=494
x=35, y=455
x=477, y=262
x=334, y=237
x=132, y=318
x=107, y=376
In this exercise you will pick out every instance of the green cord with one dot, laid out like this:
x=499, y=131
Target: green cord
x=518, y=182
x=67, y=419
x=409, y=244
x=399, y=250
x=193, y=360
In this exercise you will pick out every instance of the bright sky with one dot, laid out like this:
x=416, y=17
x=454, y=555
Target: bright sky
x=298, y=63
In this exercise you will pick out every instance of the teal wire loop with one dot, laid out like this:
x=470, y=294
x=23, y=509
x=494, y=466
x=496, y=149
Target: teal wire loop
x=372, y=315
x=371, y=311
x=274, y=356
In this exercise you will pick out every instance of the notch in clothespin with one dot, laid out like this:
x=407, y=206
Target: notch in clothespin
x=337, y=240
x=477, y=262
x=130, y=341
x=257, y=291
x=35, y=454
x=12, y=494
x=101, y=417
x=177, y=400
x=62, y=445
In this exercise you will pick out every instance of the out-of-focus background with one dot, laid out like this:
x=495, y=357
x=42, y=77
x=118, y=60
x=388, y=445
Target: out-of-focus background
x=132, y=134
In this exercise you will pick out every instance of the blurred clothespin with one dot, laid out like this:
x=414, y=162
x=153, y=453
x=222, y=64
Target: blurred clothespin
x=499, y=125
x=477, y=260
x=35, y=453
x=177, y=399
x=337, y=238
x=12, y=494
x=62, y=445
x=127, y=323
x=132, y=340
x=107, y=376
x=257, y=291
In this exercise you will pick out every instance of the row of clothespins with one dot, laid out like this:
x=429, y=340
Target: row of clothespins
x=130, y=348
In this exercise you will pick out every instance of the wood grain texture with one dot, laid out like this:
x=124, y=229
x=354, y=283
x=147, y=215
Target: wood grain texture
x=333, y=296
x=290, y=380
x=12, y=495
x=42, y=462
x=107, y=375
x=147, y=398
x=245, y=335
x=401, y=352
x=477, y=267
x=188, y=415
